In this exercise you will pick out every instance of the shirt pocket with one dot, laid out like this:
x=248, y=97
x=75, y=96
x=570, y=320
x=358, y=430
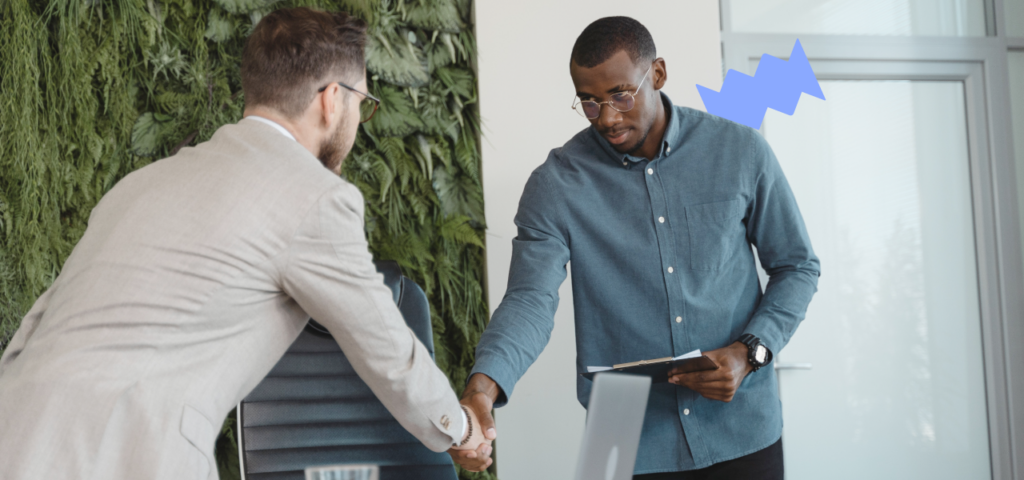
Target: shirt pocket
x=713, y=230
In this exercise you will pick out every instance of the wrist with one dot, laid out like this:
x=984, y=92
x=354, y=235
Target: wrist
x=469, y=426
x=741, y=352
x=480, y=383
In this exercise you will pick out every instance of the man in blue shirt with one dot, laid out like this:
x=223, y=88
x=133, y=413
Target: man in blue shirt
x=657, y=207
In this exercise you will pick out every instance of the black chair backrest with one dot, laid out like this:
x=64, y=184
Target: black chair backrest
x=312, y=409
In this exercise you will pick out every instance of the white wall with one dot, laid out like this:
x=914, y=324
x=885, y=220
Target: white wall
x=524, y=49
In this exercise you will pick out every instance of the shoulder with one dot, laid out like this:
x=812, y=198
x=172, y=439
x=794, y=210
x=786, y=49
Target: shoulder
x=342, y=194
x=704, y=123
x=548, y=186
x=733, y=142
x=257, y=160
x=563, y=161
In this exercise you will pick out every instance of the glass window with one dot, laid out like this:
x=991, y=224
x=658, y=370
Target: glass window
x=881, y=173
x=1016, y=64
x=954, y=18
x=1013, y=11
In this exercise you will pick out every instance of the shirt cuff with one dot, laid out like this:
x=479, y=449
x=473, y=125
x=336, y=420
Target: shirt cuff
x=465, y=424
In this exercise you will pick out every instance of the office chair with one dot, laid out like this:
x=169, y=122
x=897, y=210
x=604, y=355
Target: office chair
x=312, y=409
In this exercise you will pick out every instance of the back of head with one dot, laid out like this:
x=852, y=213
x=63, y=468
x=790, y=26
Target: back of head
x=606, y=36
x=293, y=52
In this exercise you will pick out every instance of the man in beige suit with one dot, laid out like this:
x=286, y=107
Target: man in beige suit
x=197, y=272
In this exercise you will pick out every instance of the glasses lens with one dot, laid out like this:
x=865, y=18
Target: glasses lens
x=579, y=109
x=366, y=109
x=622, y=102
x=591, y=109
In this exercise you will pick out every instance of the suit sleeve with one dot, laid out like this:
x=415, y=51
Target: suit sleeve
x=27, y=328
x=329, y=272
x=777, y=229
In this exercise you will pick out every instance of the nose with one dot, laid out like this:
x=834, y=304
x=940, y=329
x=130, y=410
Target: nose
x=608, y=117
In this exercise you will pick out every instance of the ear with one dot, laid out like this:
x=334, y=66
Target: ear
x=660, y=73
x=327, y=103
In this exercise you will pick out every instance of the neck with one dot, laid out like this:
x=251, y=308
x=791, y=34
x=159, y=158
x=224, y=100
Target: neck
x=652, y=145
x=293, y=127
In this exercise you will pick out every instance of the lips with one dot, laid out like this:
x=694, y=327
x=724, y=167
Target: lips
x=617, y=138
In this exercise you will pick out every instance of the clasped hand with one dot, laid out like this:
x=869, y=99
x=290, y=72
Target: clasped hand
x=720, y=384
x=478, y=399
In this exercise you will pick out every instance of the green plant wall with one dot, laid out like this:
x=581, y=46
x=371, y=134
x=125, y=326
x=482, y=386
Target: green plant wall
x=91, y=90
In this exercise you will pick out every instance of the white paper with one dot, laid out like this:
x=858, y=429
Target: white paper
x=693, y=354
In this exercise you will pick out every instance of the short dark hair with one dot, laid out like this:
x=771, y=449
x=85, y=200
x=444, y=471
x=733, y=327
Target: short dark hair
x=606, y=36
x=292, y=50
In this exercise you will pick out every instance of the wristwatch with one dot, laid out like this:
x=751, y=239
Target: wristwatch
x=757, y=354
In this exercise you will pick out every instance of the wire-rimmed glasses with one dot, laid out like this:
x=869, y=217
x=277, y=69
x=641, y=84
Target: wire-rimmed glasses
x=620, y=102
x=367, y=106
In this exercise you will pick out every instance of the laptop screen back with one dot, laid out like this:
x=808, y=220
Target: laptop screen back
x=615, y=418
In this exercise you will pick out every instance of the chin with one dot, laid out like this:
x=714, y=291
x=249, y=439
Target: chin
x=627, y=149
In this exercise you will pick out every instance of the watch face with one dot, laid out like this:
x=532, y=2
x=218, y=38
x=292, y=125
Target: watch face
x=760, y=353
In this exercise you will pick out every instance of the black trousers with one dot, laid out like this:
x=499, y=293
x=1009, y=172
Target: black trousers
x=761, y=465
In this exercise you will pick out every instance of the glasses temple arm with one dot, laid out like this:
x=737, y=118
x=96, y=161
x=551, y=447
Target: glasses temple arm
x=642, y=80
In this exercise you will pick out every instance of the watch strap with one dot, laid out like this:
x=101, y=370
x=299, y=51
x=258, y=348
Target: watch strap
x=752, y=343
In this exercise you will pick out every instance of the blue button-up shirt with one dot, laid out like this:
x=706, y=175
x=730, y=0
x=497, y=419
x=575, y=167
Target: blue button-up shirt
x=662, y=264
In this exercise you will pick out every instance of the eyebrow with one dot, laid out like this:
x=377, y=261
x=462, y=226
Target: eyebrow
x=624, y=87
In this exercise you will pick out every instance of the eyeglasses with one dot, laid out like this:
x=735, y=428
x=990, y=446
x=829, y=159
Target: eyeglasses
x=367, y=107
x=620, y=102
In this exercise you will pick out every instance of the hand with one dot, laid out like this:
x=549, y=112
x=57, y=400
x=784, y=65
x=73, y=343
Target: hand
x=474, y=438
x=720, y=384
x=479, y=397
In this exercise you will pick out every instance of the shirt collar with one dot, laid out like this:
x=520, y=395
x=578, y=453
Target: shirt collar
x=274, y=124
x=668, y=141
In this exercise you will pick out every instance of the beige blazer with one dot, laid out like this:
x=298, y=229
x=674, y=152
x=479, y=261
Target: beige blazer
x=194, y=276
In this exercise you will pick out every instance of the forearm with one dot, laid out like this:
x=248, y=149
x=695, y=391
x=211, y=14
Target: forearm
x=784, y=304
x=328, y=271
x=512, y=342
x=521, y=325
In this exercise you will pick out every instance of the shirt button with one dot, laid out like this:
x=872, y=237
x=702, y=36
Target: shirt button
x=650, y=171
x=679, y=319
x=686, y=411
x=623, y=164
x=668, y=149
x=661, y=219
x=669, y=269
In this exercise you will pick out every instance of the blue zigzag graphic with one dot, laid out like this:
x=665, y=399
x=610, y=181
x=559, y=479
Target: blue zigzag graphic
x=777, y=84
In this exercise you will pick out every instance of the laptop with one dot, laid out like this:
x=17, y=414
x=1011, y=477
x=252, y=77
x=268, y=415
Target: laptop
x=615, y=417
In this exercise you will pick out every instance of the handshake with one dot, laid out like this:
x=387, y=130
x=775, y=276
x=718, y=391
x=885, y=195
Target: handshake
x=477, y=400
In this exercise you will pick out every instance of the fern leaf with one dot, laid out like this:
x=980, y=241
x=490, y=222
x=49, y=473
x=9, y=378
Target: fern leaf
x=150, y=133
x=396, y=116
x=391, y=57
x=438, y=15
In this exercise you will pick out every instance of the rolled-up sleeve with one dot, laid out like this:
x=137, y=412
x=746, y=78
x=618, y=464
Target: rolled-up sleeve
x=328, y=270
x=521, y=325
x=777, y=229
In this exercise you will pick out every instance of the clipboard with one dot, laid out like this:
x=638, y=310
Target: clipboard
x=658, y=368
